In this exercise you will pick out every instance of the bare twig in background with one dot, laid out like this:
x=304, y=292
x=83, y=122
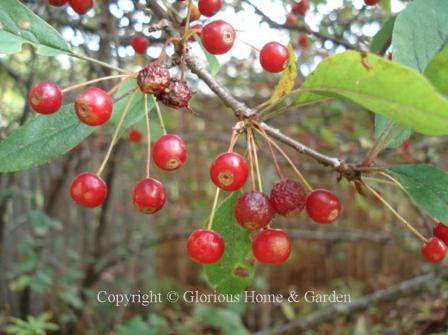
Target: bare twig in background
x=405, y=288
x=303, y=28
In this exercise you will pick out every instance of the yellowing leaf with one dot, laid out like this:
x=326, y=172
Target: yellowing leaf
x=288, y=78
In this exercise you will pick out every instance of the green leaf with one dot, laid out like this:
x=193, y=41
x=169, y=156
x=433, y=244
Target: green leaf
x=234, y=271
x=42, y=280
x=19, y=25
x=211, y=59
x=437, y=71
x=42, y=139
x=42, y=223
x=288, y=77
x=72, y=298
x=384, y=87
x=421, y=31
x=227, y=321
x=427, y=185
x=383, y=36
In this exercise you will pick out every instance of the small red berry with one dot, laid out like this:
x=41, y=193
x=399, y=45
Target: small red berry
x=148, y=195
x=205, y=246
x=229, y=171
x=303, y=41
x=271, y=246
x=81, y=6
x=441, y=231
x=290, y=19
x=154, y=79
x=89, y=190
x=323, y=206
x=177, y=95
x=274, y=57
x=139, y=43
x=253, y=210
x=93, y=106
x=135, y=135
x=218, y=37
x=45, y=97
x=209, y=7
x=371, y=2
x=169, y=152
x=58, y=3
x=301, y=7
x=288, y=197
x=434, y=250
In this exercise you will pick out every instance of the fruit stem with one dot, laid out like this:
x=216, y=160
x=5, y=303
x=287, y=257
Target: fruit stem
x=248, y=44
x=233, y=140
x=164, y=46
x=402, y=219
x=116, y=133
x=159, y=115
x=251, y=161
x=296, y=170
x=257, y=166
x=274, y=158
x=187, y=22
x=85, y=83
x=148, y=133
x=93, y=60
x=396, y=182
x=212, y=214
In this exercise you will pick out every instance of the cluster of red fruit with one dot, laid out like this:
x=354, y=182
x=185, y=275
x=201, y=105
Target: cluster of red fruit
x=255, y=210
x=79, y=6
x=169, y=153
x=94, y=107
x=218, y=38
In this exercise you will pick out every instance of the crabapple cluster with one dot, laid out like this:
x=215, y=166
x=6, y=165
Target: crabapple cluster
x=218, y=38
x=93, y=107
x=230, y=171
x=254, y=210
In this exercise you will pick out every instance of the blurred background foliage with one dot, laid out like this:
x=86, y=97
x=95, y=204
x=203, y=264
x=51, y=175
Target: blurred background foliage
x=56, y=256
